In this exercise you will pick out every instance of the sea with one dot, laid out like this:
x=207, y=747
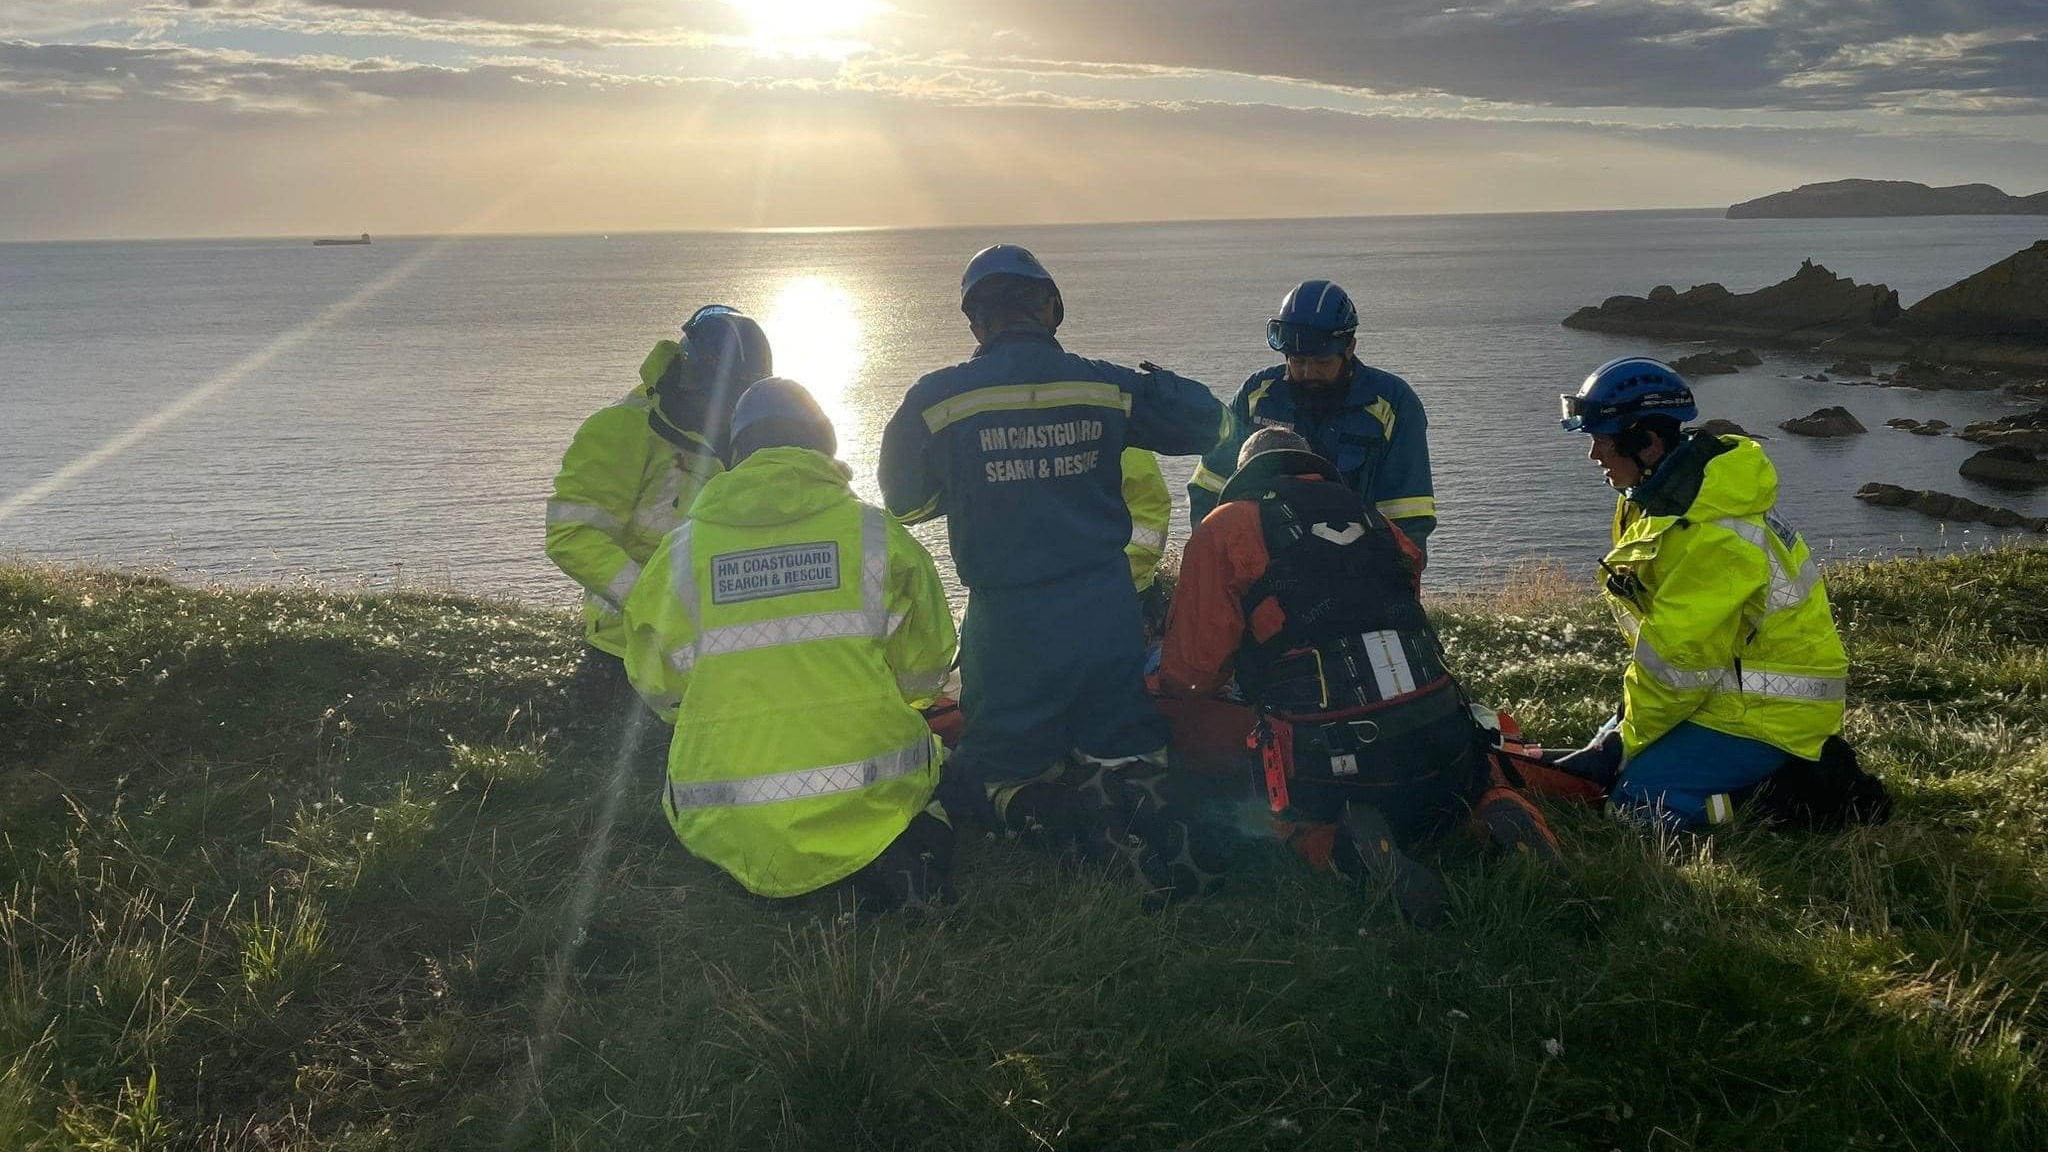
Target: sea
x=391, y=416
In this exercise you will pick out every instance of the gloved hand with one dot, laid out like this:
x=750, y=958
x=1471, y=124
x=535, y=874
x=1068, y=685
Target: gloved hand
x=963, y=794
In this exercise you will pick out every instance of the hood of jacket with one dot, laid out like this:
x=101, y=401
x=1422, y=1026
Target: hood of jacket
x=774, y=486
x=1710, y=478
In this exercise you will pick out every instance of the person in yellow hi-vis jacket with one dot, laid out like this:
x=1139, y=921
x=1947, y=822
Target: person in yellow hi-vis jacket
x=634, y=467
x=1145, y=494
x=791, y=633
x=1737, y=669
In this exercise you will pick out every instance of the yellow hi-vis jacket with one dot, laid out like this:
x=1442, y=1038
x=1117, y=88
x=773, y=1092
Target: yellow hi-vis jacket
x=790, y=632
x=1728, y=612
x=1151, y=511
x=621, y=489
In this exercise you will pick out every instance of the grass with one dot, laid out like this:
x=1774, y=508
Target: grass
x=285, y=871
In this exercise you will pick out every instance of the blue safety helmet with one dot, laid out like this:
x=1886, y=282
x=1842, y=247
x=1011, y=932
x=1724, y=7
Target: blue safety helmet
x=1316, y=319
x=999, y=263
x=723, y=340
x=779, y=413
x=1623, y=391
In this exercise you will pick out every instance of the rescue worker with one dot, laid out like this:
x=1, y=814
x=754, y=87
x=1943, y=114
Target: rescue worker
x=1151, y=508
x=634, y=467
x=791, y=633
x=1367, y=423
x=1737, y=665
x=1021, y=448
x=1366, y=742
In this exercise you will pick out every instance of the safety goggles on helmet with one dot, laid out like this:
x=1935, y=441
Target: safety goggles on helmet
x=1605, y=418
x=1291, y=339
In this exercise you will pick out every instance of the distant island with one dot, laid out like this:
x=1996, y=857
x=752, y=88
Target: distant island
x=365, y=239
x=1888, y=198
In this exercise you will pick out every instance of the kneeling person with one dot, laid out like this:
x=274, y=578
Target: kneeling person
x=790, y=633
x=1737, y=666
x=1368, y=743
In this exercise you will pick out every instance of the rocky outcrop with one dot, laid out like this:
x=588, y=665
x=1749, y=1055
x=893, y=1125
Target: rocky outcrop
x=1887, y=198
x=1836, y=421
x=2027, y=430
x=1944, y=378
x=1716, y=363
x=1918, y=427
x=2006, y=301
x=2007, y=466
x=1996, y=317
x=1722, y=427
x=2029, y=389
x=1811, y=306
x=1849, y=367
x=1943, y=506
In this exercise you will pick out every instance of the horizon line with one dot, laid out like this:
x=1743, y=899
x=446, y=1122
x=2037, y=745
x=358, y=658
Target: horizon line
x=826, y=229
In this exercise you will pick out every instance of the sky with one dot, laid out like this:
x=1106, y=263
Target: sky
x=287, y=118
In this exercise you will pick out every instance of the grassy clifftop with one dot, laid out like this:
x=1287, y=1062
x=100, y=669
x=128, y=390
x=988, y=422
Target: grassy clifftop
x=295, y=871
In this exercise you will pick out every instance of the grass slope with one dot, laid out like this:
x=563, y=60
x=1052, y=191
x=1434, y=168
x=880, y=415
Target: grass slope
x=297, y=871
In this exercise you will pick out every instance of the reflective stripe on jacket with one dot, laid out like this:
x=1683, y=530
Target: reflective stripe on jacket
x=1151, y=508
x=1018, y=449
x=1378, y=438
x=1727, y=610
x=789, y=632
x=620, y=490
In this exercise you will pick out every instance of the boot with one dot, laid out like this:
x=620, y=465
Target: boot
x=1419, y=893
x=1513, y=824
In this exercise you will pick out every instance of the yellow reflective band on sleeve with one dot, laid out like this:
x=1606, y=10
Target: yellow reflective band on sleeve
x=567, y=512
x=1206, y=480
x=1407, y=507
x=804, y=783
x=1024, y=398
x=1788, y=589
x=920, y=514
x=1148, y=537
x=1382, y=410
x=621, y=586
x=1720, y=809
x=1251, y=401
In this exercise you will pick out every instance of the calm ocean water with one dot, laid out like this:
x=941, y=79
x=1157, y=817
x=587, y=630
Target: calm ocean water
x=271, y=411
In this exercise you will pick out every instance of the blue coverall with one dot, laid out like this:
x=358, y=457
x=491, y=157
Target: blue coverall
x=1377, y=436
x=1019, y=449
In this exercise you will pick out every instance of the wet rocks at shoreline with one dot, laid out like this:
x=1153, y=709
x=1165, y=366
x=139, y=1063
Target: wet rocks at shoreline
x=1944, y=506
x=2028, y=430
x=1832, y=421
x=1918, y=427
x=1716, y=363
x=2006, y=466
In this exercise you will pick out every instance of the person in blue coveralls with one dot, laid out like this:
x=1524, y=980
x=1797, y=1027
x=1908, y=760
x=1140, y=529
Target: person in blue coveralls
x=1019, y=448
x=1368, y=423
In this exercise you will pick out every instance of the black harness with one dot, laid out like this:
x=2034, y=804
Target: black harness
x=1356, y=670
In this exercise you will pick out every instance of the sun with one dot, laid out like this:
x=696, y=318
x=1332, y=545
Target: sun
x=806, y=27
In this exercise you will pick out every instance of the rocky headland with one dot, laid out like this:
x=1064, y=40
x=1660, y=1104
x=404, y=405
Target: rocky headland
x=1888, y=198
x=1943, y=506
x=1995, y=318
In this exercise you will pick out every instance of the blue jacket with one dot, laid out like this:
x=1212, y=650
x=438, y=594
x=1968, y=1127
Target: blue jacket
x=1019, y=449
x=1378, y=438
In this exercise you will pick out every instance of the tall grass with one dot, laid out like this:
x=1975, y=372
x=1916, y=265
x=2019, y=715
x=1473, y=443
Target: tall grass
x=292, y=871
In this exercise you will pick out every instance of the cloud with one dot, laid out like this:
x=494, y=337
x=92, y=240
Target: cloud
x=1586, y=53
